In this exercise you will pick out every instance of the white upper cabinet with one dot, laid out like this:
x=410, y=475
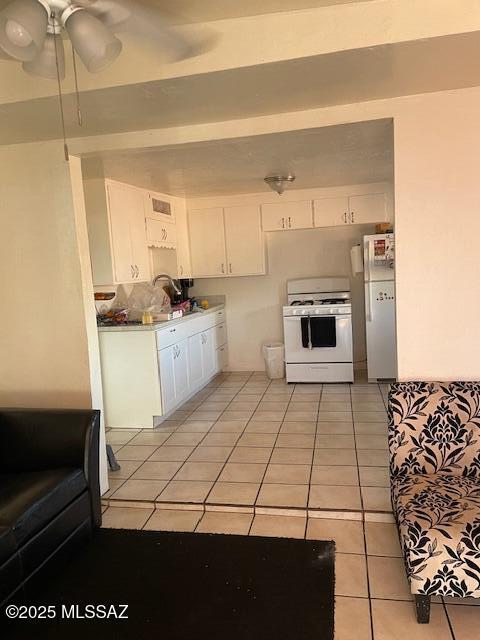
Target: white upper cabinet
x=226, y=241
x=368, y=208
x=120, y=203
x=159, y=207
x=287, y=215
x=160, y=234
x=371, y=207
x=244, y=241
x=116, y=231
x=207, y=242
x=330, y=212
x=127, y=229
x=184, y=263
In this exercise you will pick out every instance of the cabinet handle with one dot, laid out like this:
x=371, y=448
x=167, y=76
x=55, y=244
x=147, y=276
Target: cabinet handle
x=230, y=267
x=283, y=223
x=345, y=217
x=289, y=222
x=181, y=270
x=172, y=330
x=132, y=271
x=352, y=217
x=222, y=267
x=137, y=270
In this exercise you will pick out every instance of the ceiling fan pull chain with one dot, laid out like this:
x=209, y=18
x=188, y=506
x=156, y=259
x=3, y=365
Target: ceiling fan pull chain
x=60, y=99
x=77, y=94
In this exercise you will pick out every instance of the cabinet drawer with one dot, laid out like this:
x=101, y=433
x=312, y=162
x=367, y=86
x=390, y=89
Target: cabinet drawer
x=160, y=233
x=219, y=316
x=168, y=336
x=220, y=333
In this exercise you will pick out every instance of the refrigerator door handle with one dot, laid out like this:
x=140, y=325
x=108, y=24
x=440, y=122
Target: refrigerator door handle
x=369, y=303
x=368, y=261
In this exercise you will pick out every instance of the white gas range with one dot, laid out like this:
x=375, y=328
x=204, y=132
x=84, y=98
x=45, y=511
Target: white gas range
x=317, y=325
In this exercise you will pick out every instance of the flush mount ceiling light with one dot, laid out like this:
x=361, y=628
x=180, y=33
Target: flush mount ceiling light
x=31, y=32
x=278, y=183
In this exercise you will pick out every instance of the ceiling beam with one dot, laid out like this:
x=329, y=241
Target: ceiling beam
x=261, y=39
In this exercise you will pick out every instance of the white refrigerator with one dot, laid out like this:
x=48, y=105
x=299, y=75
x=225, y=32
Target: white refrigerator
x=379, y=272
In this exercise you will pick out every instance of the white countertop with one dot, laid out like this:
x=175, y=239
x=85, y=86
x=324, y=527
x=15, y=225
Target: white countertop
x=166, y=323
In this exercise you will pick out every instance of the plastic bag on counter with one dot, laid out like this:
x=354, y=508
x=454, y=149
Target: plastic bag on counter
x=145, y=297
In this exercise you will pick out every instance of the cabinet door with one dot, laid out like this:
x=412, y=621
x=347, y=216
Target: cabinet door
x=368, y=208
x=209, y=356
x=160, y=234
x=138, y=238
x=330, y=212
x=180, y=370
x=244, y=240
x=121, y=201
x=287, y=215
x=207, y=242
x=184, y=265
x=222, y=358
x=195, y=363
x=167, y=378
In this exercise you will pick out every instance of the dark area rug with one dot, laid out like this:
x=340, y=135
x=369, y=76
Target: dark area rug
x=187, y=586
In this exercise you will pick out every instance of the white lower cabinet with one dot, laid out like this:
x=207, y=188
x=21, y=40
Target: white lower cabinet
x=174, y=374
x=209, y=359
x=195, y=360
x=148, y=373
x=189, y=357
x=181, y=370
x=222, y=357
x=167, y=378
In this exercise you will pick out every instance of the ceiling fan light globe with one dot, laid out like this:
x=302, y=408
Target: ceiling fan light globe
x=17, y=34
x=23, y=28
x=95, y=45
x=45, y=65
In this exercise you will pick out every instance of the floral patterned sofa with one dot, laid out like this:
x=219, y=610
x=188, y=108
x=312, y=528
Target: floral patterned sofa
x=434, y=442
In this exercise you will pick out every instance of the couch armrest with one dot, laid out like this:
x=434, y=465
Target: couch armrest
x=38, y=439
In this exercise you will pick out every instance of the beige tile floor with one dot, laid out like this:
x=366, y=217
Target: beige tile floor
x=251, y=457
x=372, y=600
x=249, y=442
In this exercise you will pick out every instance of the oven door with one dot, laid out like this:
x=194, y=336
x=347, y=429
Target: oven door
x=296, y=352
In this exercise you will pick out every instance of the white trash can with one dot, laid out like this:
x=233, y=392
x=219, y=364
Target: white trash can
x=274, y=354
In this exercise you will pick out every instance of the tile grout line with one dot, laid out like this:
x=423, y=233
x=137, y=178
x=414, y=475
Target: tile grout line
x=200, y=442
x=449, y=622
x=313, y=457
x=271, y=453
x=363, y=522
x=233, y=448
x=169, y=436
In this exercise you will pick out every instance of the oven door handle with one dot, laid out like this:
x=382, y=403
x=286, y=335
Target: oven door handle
x=310, y=346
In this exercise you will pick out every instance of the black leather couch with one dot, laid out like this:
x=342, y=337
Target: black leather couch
x=49, y=488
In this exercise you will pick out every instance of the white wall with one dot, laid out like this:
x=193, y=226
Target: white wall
x=254, y=304
x=43, y=344
x=437, y=200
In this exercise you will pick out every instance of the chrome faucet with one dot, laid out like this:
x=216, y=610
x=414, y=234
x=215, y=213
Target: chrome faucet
x=171, y=281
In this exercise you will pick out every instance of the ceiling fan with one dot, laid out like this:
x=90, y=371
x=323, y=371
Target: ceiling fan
x=31, y=32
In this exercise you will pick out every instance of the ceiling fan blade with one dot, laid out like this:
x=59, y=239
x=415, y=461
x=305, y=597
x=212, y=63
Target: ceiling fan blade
x=151, y=24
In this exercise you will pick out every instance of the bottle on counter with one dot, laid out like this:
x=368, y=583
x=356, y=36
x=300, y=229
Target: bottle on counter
x=147, y=317
x=204, y=304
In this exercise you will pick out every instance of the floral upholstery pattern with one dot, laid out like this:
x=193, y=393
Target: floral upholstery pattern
x=434, y=442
